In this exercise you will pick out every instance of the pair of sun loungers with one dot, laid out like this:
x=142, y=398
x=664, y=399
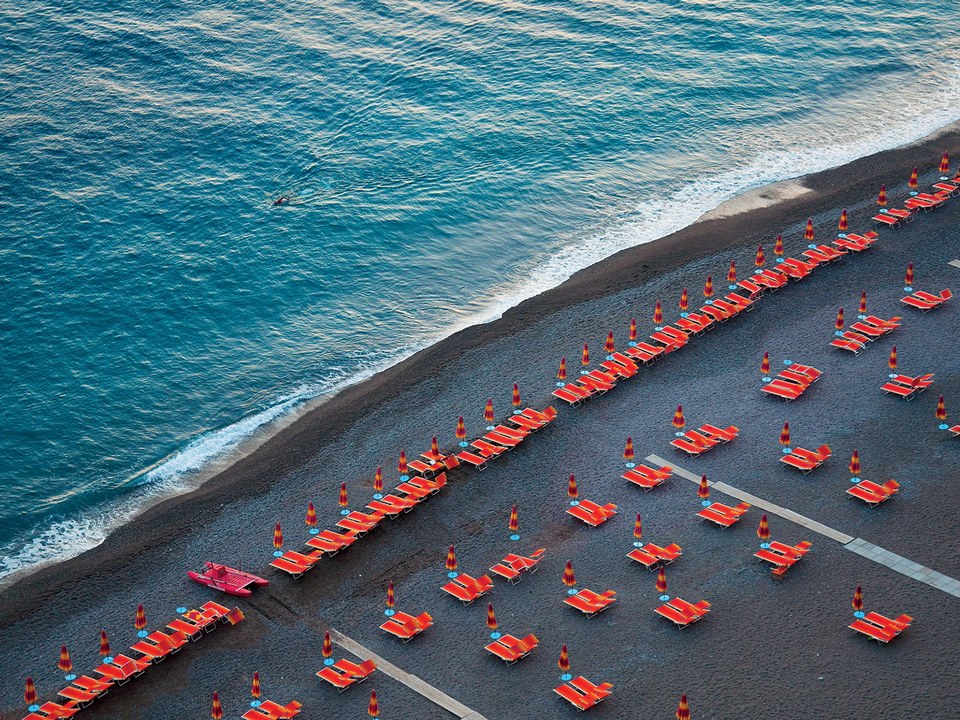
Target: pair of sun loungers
x=507, y=435
x=405, y=626
x=926, y=201
x=647, y=477
x=583, y=694
x=590, y=603
x=881, y=628
x=269, y=710
x=906, y=386
x=925, y=301
x=724, y=515
x=707, y=437
x=591, y=513
x=782, y=556
x=653, y=556
x=823, y=254
x=510, y=649
x=683, y=613
x=853, y=242
x=793, y=382
x=467, y=589
x=873, y=493
x=512, y=567
x=807, y=460
x=865, y=331
x=344, y=673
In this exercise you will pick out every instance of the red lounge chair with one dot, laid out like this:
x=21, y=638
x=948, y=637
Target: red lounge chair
x=871, y=331
x=516, y=434
x=591, y=513
x=722, y=434
x=949, y=188
x=392, y=505
x=548, y=414
x=525, y=564
x=691, y=448
x=269, y=710
x=898, y=624
x=645, y=351
x=876, y=632
x=506, y=572
x=703, y=441
x=425, y=469
x=360, y=523
x=955, y=430
x=591, y=603
x=467, y=589
x=648, y=560
x=683, y=617
x=524, y=423
x=751, y=287
x=345, y=673
x=872, y=493
x=852, y=345
x=471, y=459
x=572, y=394
x=56, y=710
x=693, y=326
x=579, y=700
x=150, y=652
x=339, y=680
x=77, y=697
x=622, y=371
x=487, y=449
x=669, y=343
x=506, y=441
x=718, y=315
x=647, y=477
x=294, y=563
x=784, y=389
x=511, y=649
x=93, y=685
x=665, y=554
x=744, y=303
x=627, y=362
x=331, y=542
x=406, y=626
x=807, y=460
x=797, y=551
x=719, y=518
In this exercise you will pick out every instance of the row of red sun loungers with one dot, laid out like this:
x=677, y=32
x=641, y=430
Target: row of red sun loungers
x=154, y=648
x=707, y=437
x=863, y=332
x=409, y=494
x=793, y=382
x=921, y=201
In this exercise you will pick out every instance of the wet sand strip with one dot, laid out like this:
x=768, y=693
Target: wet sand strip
x=859, y=546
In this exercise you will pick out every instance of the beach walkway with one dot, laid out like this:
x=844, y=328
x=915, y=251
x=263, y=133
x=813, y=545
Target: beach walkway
x=859, y=546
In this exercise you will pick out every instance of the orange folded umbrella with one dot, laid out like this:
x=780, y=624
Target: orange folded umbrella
x=732, y=272
x=941, y=409
x=564, y=662
x=402, y=463
x=657, y=314
x=684, y=300
x=633, y=329
x=277, y=544
x=585, y=355
x=434, y=447
x=569, y=579
x=808, y=233
x=562, y=372
x=842, y=225
x=572, y=488
x=390, y=596
x=491, y=618
x=30, y=692
x=342, y=499
x=65, y=664
x=628, y=450
x=683, y=709
x=216, y=712
x=908, y=277
x=638, y=528
x=327, y=649
x=378, y=481
x=892, y=362
x=678, y=420
x=759, y=259
x=703, y=491
x=785, y=434
x=141, y=620
x=461, y=432
x=855, y=464
x=661, y=585
x=778, y=245
x=765, y=364
x=514, y=519
x=858, y=599
x=863, y=302
x=516, y=396
x=882, y=196
x=255, y=686
x=451, y=563
x=708, y=287
x=912, y=182
x=373, y=709
x=488, y=412
x=945, y=164
x=608, y=346
x=104, y=644
x=839, y=322
x=311, y=518
x=763, y=531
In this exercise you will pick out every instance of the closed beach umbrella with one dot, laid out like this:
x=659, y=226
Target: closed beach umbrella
x=569, y=579
x=892, y=362
x=216, y=712
x=562, y=371
x=863, y=302
x=277, y=545
x=608, y=346
x=759, y=259
x=732, y=272
x=683, y=709
x=585, y=355
x=661, y=581
x=765, y=364
x=785, y=434
x=104, y=644
x=434, y=447
x=451, y=563
x=638, y=528
x=945, y=164
x=941, y=409
x=839, y=323
x=843, y=221
x=461, y=431
x=491, y=618
x=908, y=277
x=855, y=463
x=373, y=709
x=255, y=687
x=912, y=182
x=708, y=287
x=703, y=491
x=778, y=245
x=342, y=499
x=402, y=463
x=140, y=622
x=684, y=300
x=633, y=329
x=311, y=518
x=808, y=233
x=857, y=599
x=378, y=481
x=488, y=411
x=628, y=450
x=327, y=649
x=657, y=314
x=564, y=662
x=882, y=196
x=763, y=531
x=516, y=396
x=572, y=491
x=390, y=596
x=30, y=692
x=65, y=664
x=514, y=519
x=678, y=420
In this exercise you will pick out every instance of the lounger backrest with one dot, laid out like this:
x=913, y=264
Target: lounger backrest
x=824, y=451
x=368, y=666
x=672, y=548
x=891, y=485
x=530, y=641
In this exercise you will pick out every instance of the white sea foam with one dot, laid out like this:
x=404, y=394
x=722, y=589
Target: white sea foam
x=933, y=105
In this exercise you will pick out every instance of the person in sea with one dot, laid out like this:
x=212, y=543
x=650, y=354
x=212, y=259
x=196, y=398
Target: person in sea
x=281, y=200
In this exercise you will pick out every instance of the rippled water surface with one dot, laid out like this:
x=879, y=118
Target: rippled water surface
x=443, y=160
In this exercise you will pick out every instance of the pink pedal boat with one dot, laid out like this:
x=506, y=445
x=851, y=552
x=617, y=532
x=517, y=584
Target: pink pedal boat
x=226, y=579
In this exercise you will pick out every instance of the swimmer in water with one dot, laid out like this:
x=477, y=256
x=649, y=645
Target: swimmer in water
x=281, y=200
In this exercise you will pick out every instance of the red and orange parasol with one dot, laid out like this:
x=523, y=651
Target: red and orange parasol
x=732, y=272
x=633, y=329
x=703, y=491
x=216, y=712
x=391, y=600
x=402, y=463
x=657, y=314
x=683, y=709
x=708, y=287
x=451, y=563
x=30, y=692
x=311, y=518
x=327, y=649
x=516, y=396
x=65, y=664
x=277, y=540
x=491, y=618
x=572, y=491
x=778, y=245
x=684, y=300
x=892, y=361
x=342, y=498
x=255, y=686
x=140, y=622
x=759, y=259
x=785, y=435
x=564, y=661
x=435, y=448
x=585, y=355
x=843, y=225
x=855, y=464
x=765, y=364
x=104, y=644
x=378, y=481
x=678, y=420
x=944, y=164
x=863, y=302
x=488, y=415
x=514, y=519
x=569, y=579
x=882, y=196
x=857, y=602
x=838, y=324
x=608, y=347
x=373, y=709
x=908, y=276
x=461, y=431
x=763, y=531
x=637, y=528
x=808, y=232
x=912, y=182
x=661, y=584
x=628, y=451
x=562, y=371
x=942, y=413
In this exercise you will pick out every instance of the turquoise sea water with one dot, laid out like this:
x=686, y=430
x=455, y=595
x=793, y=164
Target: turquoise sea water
x=444, y=160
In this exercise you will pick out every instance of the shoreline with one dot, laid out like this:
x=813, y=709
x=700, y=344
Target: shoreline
x=254, y=471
